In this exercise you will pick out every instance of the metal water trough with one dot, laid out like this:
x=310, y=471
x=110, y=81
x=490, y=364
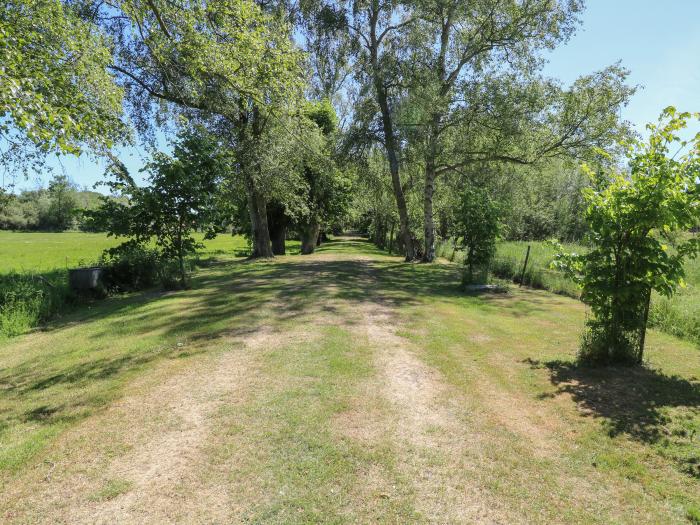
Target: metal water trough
x=84, y=279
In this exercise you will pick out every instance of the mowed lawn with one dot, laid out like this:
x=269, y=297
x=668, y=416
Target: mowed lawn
x=342, y=387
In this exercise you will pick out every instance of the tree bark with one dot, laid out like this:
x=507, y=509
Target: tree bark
x=278, y=236
x=428, y=223
x=309, y=236
x=391, y=237
x=257, y=209
x=257, y=203
x=277, y=225
x=432, y=150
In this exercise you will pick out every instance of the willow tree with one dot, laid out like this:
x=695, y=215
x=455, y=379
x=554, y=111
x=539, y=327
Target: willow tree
x=225, y=60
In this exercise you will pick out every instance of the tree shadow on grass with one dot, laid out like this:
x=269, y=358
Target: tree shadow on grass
x=645, y=404
x=230, y=299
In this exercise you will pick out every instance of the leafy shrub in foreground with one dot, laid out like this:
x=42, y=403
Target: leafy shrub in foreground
x=630, y=216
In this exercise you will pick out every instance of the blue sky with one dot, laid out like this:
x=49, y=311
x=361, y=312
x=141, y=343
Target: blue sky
x=658, y=40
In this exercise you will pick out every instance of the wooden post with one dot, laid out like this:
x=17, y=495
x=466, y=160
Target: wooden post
x=522, y=274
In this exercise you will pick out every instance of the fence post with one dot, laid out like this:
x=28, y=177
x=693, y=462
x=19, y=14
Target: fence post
x=522, y=274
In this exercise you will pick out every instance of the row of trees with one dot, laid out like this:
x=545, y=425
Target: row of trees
x=58, y=207
x=446, y=120
x=432, y=94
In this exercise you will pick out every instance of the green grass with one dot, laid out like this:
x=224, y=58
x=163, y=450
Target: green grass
x=112, y=489
x=40, y=252
x=34, y=277
x=527, y=434
x=679, y=315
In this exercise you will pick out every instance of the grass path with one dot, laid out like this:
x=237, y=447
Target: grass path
x=342, y=387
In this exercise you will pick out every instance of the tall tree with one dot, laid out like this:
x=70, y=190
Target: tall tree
x=62, y=204
x=228, y=60
x=378, y=25
x=478, y=96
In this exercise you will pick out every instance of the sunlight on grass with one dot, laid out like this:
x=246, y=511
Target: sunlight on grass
x=541, y=438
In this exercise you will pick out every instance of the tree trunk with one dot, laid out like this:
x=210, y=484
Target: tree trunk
x=257, y=208
x=277, y=225
x=183, y=275
x=391, y=237
x=428, y=224
x=257, y=203
x=429, y=188
x=309, y=236
x=643, y=328
x=278, y=236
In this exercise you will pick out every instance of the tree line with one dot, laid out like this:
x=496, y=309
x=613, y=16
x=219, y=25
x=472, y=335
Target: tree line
x=409, y=119
x=58, y=207
x=429, y=96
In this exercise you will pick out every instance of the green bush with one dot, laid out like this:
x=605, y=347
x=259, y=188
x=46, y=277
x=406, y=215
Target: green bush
x=132, y=266
x=26, y=300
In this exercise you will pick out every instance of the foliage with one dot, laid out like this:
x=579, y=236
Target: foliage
x=57, y=94
x=628, y=215
x=328, y=193
x=28, y=299
x=59, y=207
x=62, y=202
x=179, y=199
x=476, y=231
x=541, y=202
x=131, y=266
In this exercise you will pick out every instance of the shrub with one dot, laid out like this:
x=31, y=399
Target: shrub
x=631, y=215
x=132, y=266
x=477, y=229
x=26, y=300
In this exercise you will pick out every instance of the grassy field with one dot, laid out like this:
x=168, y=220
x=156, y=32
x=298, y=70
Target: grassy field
x=34, y=277
x=678, y=316
x=343, y=387
x=41, y=252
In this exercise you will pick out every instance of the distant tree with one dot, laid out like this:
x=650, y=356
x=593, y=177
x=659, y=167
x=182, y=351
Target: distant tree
x=179, y=199
x=62, y=204
x=328, y=189
x=629, y=215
